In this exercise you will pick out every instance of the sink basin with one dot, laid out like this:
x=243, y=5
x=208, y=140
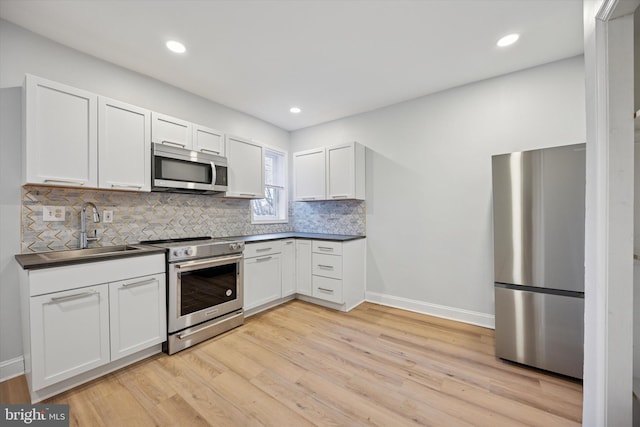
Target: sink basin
x=90, y=252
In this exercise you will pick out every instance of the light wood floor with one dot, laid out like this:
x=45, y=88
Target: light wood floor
x=299, y=364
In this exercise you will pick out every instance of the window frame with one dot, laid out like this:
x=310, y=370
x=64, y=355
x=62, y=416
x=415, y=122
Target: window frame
x=283, y=190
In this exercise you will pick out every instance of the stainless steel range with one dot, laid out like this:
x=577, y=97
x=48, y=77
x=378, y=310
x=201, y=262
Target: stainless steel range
x=204, y=289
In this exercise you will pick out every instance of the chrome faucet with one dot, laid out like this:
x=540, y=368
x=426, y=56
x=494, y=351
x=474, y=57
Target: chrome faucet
x=84, y=240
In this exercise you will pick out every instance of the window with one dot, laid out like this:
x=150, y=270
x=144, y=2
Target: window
x=273, y=208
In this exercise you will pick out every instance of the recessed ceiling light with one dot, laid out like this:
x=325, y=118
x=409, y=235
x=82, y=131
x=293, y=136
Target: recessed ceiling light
x=508, y=40
x=176, y=47
x=295, y=110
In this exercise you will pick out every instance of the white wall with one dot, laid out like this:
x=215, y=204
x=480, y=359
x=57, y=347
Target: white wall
x=429, y=225
x=24, y=52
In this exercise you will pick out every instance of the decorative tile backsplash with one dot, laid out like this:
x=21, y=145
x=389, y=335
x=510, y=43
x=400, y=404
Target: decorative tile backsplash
x=334, y=217
x=149, y=216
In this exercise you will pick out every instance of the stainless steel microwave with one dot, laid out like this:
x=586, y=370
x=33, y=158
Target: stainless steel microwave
x=180, y=170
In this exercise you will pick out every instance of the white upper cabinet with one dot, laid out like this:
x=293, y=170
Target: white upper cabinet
x=60, y=132
x=171, y=131
x=309, y=175
x=208, y=140
x=246, y=168
x=124, y=146
x=331, y=173
x=345, y=171
x=181, y=133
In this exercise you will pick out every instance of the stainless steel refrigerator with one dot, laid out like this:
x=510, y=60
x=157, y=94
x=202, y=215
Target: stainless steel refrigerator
x=538, y=230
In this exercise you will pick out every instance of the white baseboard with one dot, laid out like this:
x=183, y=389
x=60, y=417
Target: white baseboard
x=451, y=313
x=11, y=368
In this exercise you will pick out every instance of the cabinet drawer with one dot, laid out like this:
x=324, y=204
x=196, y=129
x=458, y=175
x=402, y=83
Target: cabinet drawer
x=327, y=266
x=327, y=289
x=252, y=250
x=327, y=247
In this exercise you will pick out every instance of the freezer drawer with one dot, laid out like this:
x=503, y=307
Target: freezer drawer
x=540, y=329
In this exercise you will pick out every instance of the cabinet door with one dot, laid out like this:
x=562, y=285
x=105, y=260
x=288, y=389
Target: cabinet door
x=124, y=142
x=69, y=333
x=208, y=140
x=61, y=134
x=309, y=175
x=288, y=267
x=246, y=168
x=340, y=172
x=138, y=314
x=303, y=267
x=262, y=280
x=171, y=131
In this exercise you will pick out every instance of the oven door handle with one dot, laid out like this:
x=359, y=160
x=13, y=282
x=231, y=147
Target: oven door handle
x=198, y=265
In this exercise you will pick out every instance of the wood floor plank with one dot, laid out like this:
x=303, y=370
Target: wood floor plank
x=300, y=364
x=14, y=390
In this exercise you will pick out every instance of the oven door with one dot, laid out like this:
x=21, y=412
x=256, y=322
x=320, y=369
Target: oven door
x=204, y=289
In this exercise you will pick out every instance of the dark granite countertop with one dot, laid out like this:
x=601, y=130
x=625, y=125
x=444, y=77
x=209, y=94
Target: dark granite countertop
x=295, y=235
x=39, y=260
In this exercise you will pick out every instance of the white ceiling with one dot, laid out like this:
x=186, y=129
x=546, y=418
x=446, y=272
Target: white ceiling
x=331, y=58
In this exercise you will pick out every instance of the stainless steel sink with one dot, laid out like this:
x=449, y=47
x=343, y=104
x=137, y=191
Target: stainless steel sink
x=90, y=252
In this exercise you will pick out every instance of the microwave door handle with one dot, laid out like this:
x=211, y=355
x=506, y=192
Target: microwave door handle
x=214, y=174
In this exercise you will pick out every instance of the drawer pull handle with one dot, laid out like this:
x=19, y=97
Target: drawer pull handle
x=329, y=267
x=65, y=181
x=325, y=248
x=126, y=186
x=164, y=141
x=341, y=196
x=210, y=151
x=264, y=258
x=326, y=290
x=263, y=249
x=72, y=297
x=140, y=283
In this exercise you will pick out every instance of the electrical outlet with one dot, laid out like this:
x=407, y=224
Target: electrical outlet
x=107, y=217
x=53, y=213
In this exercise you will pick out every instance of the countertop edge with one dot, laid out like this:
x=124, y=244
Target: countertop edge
x=29, y=261
x=253, y=238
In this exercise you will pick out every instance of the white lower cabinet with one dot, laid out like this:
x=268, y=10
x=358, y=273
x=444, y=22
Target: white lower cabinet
x=338, y=272
x=79, y=319
x=69, y=333
x=138, y=317
x=262, y=273
x=303, y=267
x=288, y=267
x=327, y=289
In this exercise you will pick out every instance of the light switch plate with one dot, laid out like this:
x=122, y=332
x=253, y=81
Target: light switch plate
x=53, y=213
x=107, y=217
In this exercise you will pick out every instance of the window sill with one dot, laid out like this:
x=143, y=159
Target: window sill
x=269, y=221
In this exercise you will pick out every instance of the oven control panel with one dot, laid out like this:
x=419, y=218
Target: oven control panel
x=204, y=250
x=183, y=252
